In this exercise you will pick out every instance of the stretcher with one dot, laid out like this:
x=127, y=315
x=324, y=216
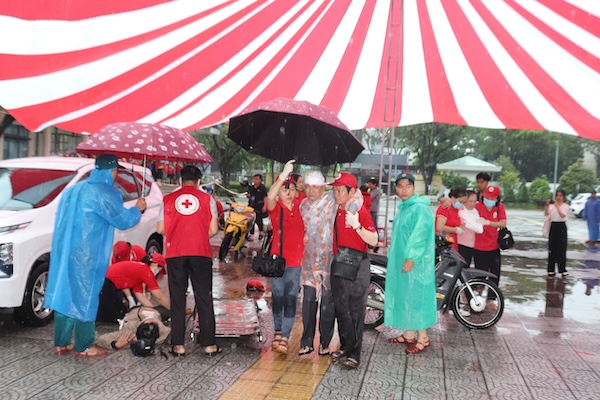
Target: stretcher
x=233, y=318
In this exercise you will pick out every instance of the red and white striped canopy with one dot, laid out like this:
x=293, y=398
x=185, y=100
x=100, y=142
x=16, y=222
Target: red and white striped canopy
x=518, y=64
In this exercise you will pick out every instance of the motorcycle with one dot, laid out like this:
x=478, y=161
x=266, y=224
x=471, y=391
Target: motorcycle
x=240, y=218
x=474, y=299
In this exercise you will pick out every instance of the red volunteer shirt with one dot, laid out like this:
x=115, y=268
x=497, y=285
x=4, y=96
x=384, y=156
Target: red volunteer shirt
x=293, y=233
x=452, y=220
x=488, y=240
x=131, y=275
x=187, y=217
x=348, y=237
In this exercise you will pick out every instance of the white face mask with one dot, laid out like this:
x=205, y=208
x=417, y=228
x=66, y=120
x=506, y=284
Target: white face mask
x=145, y=314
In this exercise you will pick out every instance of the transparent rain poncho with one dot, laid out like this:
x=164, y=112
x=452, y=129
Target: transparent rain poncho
x=83, y=235
x=410, y=302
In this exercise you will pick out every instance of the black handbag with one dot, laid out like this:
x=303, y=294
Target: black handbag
x=271, y=266
x=505, y=239
x=347, y=261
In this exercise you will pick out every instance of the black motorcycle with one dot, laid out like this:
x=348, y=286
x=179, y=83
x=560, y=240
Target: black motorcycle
x=474, y=299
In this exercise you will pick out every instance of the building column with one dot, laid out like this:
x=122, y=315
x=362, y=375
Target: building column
x=47, y=142
x=32, y=145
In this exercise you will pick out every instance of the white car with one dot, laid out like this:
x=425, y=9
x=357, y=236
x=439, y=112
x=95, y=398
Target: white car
x=30, y=189
x=578, y=204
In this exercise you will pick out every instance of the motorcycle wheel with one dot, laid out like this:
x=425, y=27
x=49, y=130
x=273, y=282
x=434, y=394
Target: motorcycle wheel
x=225, y=246
x=374, y=316
x=482, y=311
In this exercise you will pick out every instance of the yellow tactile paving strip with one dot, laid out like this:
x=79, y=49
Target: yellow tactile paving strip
x=275, y=376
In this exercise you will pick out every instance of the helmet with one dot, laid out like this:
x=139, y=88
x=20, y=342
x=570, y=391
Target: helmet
x=255, y=285
x=143, y=347
x=147, y=330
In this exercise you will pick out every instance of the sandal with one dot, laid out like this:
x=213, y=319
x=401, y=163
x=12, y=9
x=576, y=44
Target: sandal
x=176, y=354
x=338, y=356
x=350, y=363
x=403, y=340
x=551, y=274
x=283, y=346
x=92, y=352
x=61, y=350
x=414, y=348
x=565, y=274
x=305, y=350
x=276, y=340
x=213, y=353
x=324, y=351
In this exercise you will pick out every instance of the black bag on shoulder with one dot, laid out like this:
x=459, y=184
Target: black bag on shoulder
x=346, y=263
x=271, y=266
x=505, y=239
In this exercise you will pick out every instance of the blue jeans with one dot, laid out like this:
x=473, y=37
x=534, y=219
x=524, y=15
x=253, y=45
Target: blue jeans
x=285, y=294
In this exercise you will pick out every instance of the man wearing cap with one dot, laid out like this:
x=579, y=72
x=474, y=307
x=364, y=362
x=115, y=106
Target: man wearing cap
x=86, y=218
x=188, y=219
x=410, y=302
x=352, y=230
x=131, y=276
x=125, y=251
x=493, y=216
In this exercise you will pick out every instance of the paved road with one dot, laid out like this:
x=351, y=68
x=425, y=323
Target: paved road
x=546, y=346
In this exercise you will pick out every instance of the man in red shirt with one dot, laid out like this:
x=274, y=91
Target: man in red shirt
x=130, y=276
x=125, y=251
x=353, y=230
x=188, y=220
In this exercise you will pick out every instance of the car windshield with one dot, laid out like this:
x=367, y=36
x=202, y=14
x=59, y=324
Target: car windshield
x=27, y=188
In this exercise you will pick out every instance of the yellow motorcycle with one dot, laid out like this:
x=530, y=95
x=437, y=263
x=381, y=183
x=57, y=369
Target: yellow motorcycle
x=241, y=217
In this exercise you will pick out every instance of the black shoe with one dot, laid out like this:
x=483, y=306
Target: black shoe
x=213, y=353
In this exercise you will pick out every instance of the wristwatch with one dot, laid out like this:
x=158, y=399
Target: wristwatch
x=358, y=229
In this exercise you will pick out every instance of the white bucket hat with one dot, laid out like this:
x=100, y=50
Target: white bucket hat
x=314, y=178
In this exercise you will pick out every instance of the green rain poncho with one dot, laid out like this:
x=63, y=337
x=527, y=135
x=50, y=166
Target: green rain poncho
x=410, y=302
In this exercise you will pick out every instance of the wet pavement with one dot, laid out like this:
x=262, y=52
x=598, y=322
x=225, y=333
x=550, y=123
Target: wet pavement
x=546, y=346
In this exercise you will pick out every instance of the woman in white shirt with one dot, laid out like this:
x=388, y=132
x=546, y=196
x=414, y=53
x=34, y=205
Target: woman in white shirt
x=469, y=216
x=557, y=211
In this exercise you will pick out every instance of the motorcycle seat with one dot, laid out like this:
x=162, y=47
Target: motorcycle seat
x=378, y=259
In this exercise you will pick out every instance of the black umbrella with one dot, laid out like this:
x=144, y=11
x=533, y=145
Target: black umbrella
x=284, y=129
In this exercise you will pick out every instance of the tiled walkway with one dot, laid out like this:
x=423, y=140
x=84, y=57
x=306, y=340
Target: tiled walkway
x=546, y=346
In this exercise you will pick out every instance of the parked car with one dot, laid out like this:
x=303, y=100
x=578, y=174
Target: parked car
x=30, y=189
x=578, y=204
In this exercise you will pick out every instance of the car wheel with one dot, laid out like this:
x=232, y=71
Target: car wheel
x=32, y=311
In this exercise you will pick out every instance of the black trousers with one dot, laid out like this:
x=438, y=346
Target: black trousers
x=467, y=253
x=489, y=261
x=199, y=270
x=259, y=221
x=309, y=316
x=557, y=247
x=113, y=304
x=350, y=299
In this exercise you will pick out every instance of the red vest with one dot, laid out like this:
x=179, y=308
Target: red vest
x=187, y=219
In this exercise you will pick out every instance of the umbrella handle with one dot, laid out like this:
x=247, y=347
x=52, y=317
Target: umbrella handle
x=144, y=180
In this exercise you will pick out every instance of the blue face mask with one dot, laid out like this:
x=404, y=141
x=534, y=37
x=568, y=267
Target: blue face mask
x=457, y=205
x=489, y=203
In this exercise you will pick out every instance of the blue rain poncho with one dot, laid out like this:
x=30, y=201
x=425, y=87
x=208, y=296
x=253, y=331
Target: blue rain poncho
x=410, y=302
x=83, y=235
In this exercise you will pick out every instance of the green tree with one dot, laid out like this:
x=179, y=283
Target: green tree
x=509, y=181
x=578, y=179
x=540, y=189
x=433, y=144
x=451, y=180
x=227, y=154
x=531, y=152
x=523, y=194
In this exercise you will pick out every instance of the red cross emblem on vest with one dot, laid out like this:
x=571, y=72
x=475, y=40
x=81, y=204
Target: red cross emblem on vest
x=187, y=204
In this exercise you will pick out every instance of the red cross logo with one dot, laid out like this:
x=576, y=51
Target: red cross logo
x=187, y=204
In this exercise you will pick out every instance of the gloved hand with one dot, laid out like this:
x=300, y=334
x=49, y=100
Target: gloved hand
x=287, y=170
x=131, y=301
x=484, y=221
x=352, y=219
x=459, y=231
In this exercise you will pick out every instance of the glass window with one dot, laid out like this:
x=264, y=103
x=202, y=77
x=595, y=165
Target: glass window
x=26, y=188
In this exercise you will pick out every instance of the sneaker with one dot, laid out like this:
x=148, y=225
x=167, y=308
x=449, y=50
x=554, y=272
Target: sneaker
x=464, y=312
